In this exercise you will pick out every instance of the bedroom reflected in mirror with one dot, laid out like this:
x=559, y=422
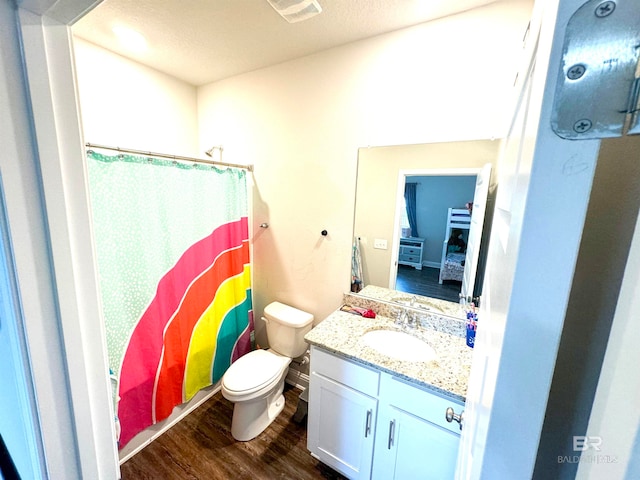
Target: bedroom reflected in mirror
x=433, y=263
x=420, y=219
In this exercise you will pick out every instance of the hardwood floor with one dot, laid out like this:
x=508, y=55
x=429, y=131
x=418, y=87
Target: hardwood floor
x=201, y=447
x=425, y=282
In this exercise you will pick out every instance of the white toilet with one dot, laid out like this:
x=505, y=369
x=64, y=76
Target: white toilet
x=255, y=381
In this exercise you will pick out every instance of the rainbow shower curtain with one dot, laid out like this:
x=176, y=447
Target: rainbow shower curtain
x=175, y=279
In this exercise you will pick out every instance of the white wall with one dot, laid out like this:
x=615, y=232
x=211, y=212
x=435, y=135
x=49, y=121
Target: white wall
x=301, y=123
x=129, y=105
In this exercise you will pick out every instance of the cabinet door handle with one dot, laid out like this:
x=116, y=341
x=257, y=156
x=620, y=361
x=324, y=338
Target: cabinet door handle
x=367, y=428
x=450, y=416
x=392, y=432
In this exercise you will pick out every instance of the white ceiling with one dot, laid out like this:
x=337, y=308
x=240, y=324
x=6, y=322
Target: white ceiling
x=201, y=41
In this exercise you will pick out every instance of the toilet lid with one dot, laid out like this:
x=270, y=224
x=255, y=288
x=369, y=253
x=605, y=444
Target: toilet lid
x=252, y=371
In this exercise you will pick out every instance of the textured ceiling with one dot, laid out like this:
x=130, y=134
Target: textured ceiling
x=201, y=41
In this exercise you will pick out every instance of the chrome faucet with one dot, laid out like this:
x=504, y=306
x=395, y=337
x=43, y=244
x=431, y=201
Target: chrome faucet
x=411, y=320
x=406, y=319
x=402, y=318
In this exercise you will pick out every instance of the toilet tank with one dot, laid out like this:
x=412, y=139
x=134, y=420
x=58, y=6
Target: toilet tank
x=286, y=328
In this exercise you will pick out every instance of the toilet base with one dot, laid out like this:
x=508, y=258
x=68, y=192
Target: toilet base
x=251, y=418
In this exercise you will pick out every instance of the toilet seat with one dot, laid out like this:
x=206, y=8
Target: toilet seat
x=253, y=373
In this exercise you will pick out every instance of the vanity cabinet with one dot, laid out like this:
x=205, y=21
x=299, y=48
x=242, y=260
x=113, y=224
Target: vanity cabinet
x=366, y=423
x=411, y=252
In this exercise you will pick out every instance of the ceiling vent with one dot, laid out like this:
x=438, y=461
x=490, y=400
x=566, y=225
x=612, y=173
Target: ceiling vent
x=296, y=10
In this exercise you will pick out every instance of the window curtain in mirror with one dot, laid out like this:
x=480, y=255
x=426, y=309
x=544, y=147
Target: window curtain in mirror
x=172, y=249
x=410, y=202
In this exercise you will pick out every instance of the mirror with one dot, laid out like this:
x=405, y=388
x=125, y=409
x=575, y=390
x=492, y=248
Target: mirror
x=447, y=174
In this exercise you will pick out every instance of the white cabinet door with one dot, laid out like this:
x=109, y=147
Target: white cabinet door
x=408, y=446
x=413, y=438
x=341, y=426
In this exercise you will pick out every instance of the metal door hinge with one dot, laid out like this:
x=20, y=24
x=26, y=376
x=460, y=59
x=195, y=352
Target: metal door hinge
x=598, y=83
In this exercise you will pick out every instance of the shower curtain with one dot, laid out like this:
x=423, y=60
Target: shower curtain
x=175, y=278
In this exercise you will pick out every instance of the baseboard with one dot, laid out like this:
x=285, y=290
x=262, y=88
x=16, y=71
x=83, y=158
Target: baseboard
x=147, y=436
x=297, y=379
x=431, y=264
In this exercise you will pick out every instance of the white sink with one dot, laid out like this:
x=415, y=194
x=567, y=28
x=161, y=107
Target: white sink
x=399, y=345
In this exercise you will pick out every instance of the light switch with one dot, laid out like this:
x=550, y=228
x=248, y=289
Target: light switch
x=380, y=243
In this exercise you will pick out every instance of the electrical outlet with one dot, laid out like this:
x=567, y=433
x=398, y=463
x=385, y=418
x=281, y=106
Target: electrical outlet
x=380, y=243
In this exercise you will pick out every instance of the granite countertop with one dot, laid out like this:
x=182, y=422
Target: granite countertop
x=434, y=305
x=447, y=375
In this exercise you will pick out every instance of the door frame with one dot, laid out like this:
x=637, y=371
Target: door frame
x=402, y=179
x=65, y=337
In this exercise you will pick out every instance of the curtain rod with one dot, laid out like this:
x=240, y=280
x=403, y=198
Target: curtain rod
x=173, y=157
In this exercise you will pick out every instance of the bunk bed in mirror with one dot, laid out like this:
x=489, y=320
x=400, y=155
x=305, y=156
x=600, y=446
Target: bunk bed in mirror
x=454, y=246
